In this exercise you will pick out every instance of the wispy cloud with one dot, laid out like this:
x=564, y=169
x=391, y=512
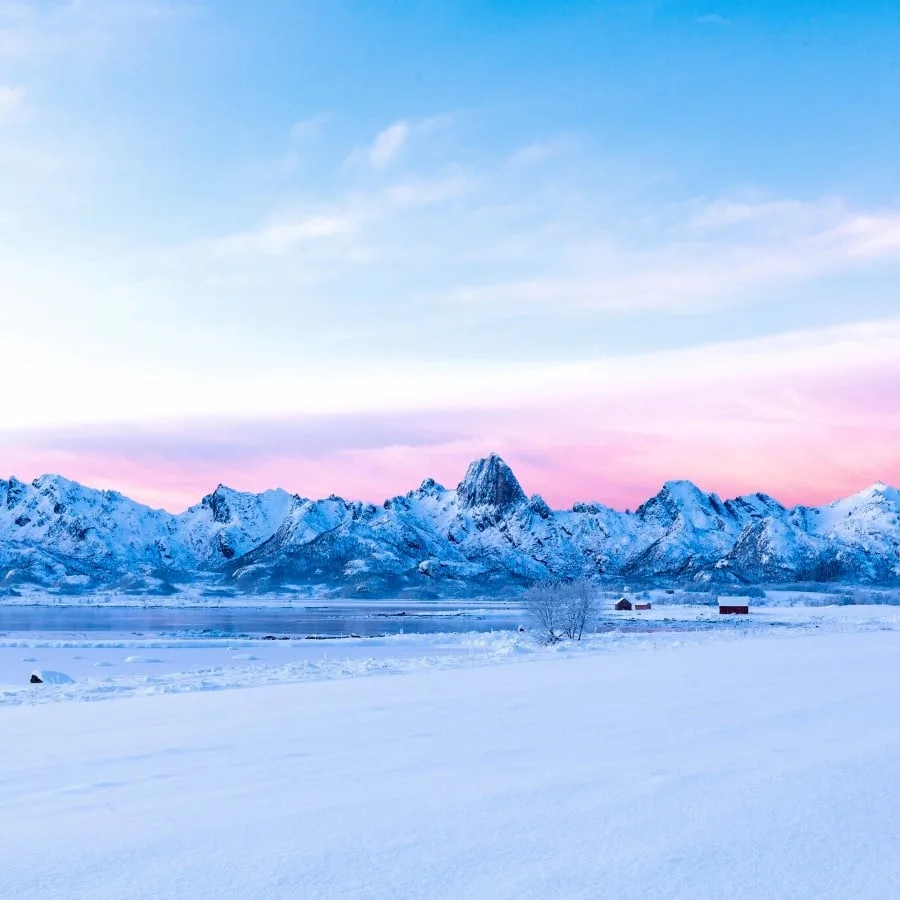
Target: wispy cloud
x=282, y=237
x=79, y=28
x=538, y=152
x=388, y=144
x=304, y=129
x=724, y=212
x=394, y=141
x=359, y=213
x=10, y=101
x=712, y=19
x=701, y=262
x=805, y=415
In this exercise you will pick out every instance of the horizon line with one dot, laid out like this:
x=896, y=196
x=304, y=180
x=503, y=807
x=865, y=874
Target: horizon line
x=529, y=496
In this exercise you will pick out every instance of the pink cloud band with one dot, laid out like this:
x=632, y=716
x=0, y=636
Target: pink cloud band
x=809, y=437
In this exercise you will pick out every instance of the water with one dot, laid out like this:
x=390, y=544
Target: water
x=330, y=621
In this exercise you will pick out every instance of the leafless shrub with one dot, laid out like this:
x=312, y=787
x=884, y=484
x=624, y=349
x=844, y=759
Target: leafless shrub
x=541, y=602
x=561, y=609
x=579, y=607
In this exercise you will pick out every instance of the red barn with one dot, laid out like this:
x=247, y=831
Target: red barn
x=642, y=606
x=623, y=604
x=734, y=606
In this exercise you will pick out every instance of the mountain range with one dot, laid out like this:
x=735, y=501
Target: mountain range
x=484, y=536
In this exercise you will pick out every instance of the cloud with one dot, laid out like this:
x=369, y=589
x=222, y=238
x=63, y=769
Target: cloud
x=307, y=128
x=712, y=19
x=806, y=415
x=392, y=141
x=280, y=238
x=725, y=212
x=388, y=144
x=871, y=235
x=709, y=260
x=10, y=101
x=86, y=29
x=361, y=214
x=425, y=191
x=538, y=152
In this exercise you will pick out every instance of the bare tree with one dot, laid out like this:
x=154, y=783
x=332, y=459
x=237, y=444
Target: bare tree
x=579, y=607
x=561, y=609
x=542, y=604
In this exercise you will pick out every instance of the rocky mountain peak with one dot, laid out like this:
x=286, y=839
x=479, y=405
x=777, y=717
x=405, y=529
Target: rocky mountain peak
x=486, y=536
x=537, y=504
x=430, y=486
x=880, y=492
x=490, y=482
x=217, y=502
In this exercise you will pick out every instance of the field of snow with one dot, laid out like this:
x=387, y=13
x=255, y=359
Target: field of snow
x=109, y=666
x=749, y=758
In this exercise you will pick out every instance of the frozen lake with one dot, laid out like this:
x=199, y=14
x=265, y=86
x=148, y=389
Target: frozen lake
x=368, y=620
x=327, y=619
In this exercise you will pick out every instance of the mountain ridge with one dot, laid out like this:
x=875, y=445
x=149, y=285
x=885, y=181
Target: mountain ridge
x=485, y=535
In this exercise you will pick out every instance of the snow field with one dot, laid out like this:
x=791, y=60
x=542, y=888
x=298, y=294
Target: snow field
x=760, y=768
x=109, y=667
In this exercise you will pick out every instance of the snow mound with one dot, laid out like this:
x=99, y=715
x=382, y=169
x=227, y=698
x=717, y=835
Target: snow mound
x=48, y=676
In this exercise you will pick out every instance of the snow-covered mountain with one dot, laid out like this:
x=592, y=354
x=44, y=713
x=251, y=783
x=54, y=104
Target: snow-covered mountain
x=484, y=535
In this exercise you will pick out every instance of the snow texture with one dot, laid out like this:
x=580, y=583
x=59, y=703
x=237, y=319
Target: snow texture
x=748, y=764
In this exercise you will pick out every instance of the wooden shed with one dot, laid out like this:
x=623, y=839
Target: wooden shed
x=734, y=606
x=643, y=606
x=623, y=605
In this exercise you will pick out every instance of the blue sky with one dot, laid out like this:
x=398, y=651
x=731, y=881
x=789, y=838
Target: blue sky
x=216, y=217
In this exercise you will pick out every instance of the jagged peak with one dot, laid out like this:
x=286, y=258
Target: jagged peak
x=682, y=489
x=675, y=493
x=59, y=482
x=683, y=500
x=757, y=504
x=490, y=482
x=879, y=490
x=877, y=493
x=428, y=488
x=588, y=506
x=538, y=505
x=223, y=490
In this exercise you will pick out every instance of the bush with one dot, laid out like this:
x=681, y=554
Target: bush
x=561, y=609
x=541, y=603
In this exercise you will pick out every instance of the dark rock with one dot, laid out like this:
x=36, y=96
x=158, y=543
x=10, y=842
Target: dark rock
x=217, y=502
x=490, y=482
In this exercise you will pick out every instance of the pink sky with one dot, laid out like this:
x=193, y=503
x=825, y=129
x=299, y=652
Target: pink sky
x=805, y=436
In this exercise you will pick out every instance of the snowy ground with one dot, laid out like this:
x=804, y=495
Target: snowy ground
x=758, y=760
x=109, y=666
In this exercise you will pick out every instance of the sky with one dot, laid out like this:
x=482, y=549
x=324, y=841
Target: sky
x=343, y=246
